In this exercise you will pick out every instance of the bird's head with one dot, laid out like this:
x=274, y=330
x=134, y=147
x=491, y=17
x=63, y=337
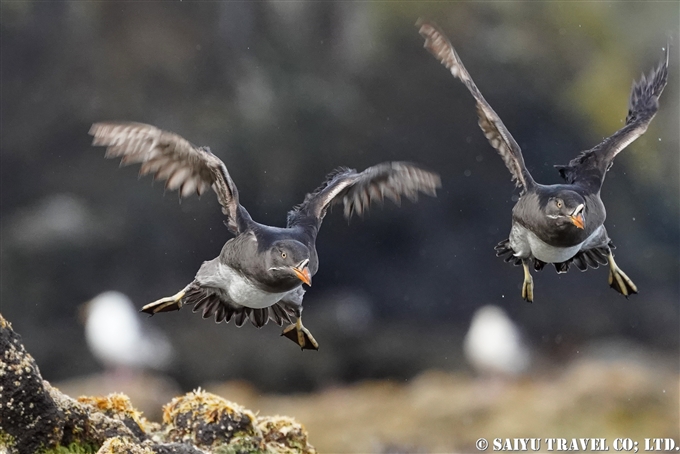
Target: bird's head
x=289, y=260
x=567, y=208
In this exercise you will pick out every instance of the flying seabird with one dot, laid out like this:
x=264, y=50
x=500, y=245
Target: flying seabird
x=561, y=223
x=259, y=273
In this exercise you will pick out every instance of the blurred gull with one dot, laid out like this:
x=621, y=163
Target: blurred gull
x=116, y=338
x=494, y=345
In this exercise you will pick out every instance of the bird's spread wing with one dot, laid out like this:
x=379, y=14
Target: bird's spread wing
x=170, y=157
x=591, y=165
x=492, y=126
x=357, y=190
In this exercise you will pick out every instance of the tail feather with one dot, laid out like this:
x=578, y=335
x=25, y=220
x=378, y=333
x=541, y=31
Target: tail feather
x=212, y=305
x=200, y=303
x=240, y=318
x=220, y=313
x=505, y=251
x=590, y=258
x=580, y=263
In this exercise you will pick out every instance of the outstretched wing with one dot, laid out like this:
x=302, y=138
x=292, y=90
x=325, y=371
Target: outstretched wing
x=590, y=166
x=357, y=190
x=170, y=157
x=492, y=126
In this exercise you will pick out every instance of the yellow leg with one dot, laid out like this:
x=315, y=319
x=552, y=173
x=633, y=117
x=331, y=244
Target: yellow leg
x=528, y=284
x=300, y=335
x=618, y=280
x=170, y=303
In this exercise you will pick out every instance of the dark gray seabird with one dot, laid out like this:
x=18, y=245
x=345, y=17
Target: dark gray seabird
x=259, y=273
x=561, y=223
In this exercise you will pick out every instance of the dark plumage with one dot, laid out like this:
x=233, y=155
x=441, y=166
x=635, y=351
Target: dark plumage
x=259, y=273
x=562, y=223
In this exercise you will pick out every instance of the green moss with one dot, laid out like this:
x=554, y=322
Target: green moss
x=6, y=440
x=238, y=445
x=73, y=448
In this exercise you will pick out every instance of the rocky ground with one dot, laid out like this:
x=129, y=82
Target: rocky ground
x=443, y=412
x=623, y=393
x=36, y=417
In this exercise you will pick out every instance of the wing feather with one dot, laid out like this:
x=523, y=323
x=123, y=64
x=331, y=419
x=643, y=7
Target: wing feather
x=590, y=166
x=170, y=157
x=357, y=190
x=493, y=128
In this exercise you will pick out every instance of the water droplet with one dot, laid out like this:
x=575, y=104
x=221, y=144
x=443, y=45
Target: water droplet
x=467, y=172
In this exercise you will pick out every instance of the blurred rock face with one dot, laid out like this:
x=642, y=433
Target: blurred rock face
x=494, y=345
x=286, y=92
x=55, y=220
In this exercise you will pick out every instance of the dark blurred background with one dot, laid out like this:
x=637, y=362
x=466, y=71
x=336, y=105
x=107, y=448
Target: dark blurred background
x=284, y=92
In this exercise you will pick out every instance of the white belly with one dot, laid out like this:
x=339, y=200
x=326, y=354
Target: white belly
x=526, y=243
x=550, y=254
x=241, y=290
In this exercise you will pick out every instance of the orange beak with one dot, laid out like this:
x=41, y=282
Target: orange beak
x=303, y=274
x=577, y=220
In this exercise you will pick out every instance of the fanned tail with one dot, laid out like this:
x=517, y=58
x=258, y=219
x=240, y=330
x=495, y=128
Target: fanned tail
x=212, y=305
x=504, y=251
x=590, y=258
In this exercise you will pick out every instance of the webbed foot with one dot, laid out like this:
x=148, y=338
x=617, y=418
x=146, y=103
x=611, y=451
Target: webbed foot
x=170, y=303
x=618, y=280
x=300, y=335
x=528, y=284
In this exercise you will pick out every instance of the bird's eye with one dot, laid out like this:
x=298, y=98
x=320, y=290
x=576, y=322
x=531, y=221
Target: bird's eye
x=559, y=204
x=283, y=255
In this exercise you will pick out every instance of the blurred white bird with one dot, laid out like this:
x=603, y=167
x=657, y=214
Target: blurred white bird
x=115, y=336
x=494, y=346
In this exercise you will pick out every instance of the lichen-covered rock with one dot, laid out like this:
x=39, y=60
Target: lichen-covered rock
x=206, y=420
x=83, y=423
x=37, y=417
x=29, y=418
x=122, y=445
x=118, y=406
x=284, y=435
x=176, y=448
